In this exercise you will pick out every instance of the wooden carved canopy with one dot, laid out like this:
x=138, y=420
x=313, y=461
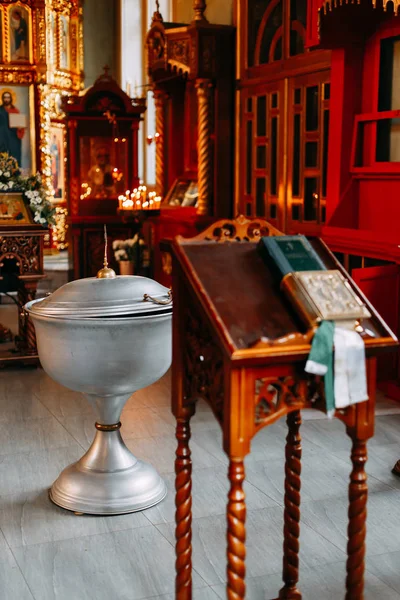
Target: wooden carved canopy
x=331, y=21
x=104, y=96
x=188, y=50
x=195, y=60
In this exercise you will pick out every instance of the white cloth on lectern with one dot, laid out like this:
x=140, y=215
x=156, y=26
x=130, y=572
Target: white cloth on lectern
x=350, y=379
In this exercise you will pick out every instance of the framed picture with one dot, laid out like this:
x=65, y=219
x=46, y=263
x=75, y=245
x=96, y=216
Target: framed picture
x=103, y=164
x=20, y=32
x=17, y=132
x=57, y=160
x=64, y=42
x=184, y=192
x=13, y=210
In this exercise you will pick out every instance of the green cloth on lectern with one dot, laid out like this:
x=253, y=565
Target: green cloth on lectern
x=320, y=361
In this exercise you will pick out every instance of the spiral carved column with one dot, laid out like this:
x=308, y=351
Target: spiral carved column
x=291, y=530
x=204, y=145
x=358, y=494
x=236, y=515
x=160, y=98
x=26, y=329
x=396, y=469
x=183, y=515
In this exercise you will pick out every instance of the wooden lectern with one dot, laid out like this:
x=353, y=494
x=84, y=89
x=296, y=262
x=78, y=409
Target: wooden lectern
x=240, y=345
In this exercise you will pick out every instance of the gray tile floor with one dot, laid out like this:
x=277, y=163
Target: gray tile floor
x=47, y=553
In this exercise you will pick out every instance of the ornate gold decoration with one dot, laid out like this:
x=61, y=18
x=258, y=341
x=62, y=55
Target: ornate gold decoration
x=44, y=135
x=16, y=76
x=160, y=98
x=74, y=44
x=240, y=229
x=41, y=35
x=324, y=295
x=204, y=367
x=40, y=70
x=60, y=228
x=204, y=145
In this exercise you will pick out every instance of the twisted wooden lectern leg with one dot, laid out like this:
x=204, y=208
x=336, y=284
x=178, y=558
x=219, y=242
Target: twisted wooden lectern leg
x=183, y=515
x=291, y=530
x=236, y=515
x=358, y=494
x=396, y=469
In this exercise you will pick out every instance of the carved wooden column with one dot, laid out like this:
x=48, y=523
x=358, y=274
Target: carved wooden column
x=292, y=509
x=160, y=99
x=183, y=515
x=204, y=145
x=236, y=515
x=358, y=494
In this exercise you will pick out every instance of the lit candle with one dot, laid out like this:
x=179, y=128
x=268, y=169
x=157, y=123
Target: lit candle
x=128, y=88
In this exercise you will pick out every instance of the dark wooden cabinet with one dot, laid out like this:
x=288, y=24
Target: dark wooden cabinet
x=102, y=162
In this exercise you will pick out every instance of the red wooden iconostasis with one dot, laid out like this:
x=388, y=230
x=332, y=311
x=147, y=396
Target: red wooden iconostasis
x=191, y=69
x=283, y=106
x=363, y=183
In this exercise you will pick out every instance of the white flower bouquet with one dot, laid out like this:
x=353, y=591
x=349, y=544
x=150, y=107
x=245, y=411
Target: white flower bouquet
x=31, y=187
x=127, y=249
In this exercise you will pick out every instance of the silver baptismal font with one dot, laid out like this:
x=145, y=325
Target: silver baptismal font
x=107, y=337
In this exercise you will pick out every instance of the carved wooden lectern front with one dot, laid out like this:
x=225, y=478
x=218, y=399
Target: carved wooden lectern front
x=239, y=345
x=21, y=269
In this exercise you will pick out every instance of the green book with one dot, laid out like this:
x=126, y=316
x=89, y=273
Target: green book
x=288, y=253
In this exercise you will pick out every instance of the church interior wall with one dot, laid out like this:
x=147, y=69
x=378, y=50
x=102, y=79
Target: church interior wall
x=100, y=26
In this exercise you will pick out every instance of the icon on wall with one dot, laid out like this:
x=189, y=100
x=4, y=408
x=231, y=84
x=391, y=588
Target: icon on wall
x=15, y=135
x=57, y=161
x=18, y=16
x=13, y=210
x=103, y=164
